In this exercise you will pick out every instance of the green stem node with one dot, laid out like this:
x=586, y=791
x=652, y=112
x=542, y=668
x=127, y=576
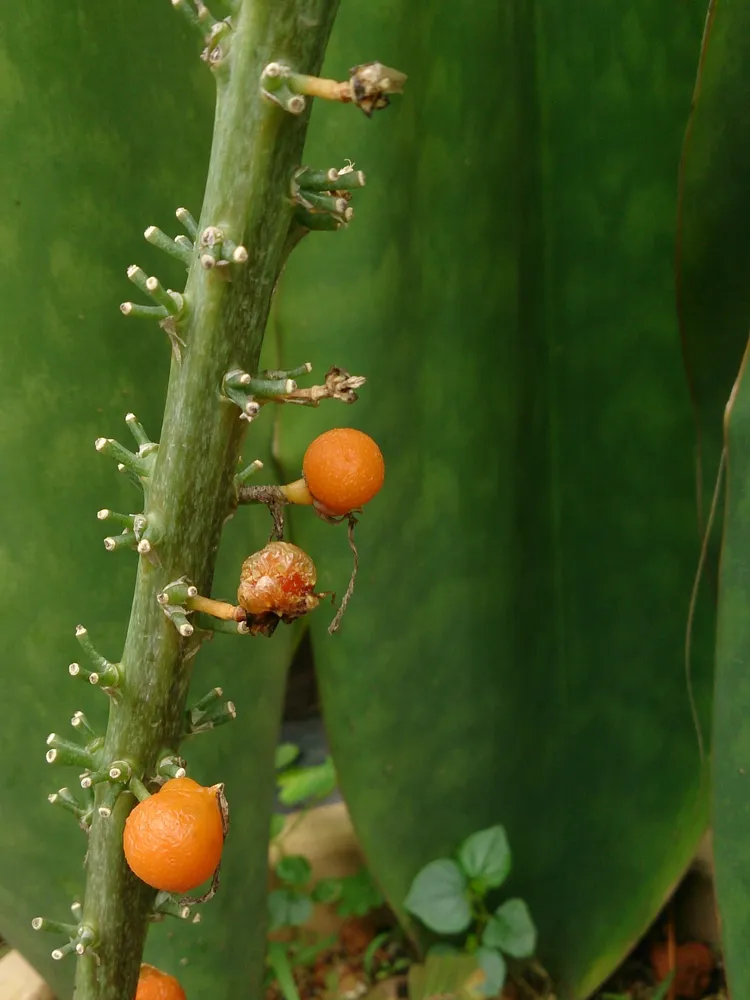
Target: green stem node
x=143, y=312
x=159, y=239
x=177, y=592
x=82, y=725
x=266, y=388
x=187, y=220
x=171, y=766
x=166, y=904
x=235, y=387
x=64, y=751
x=207, y=623
x=138, y=789
x=113, y=449
x=176, y=614
x=111, y=791
x=275, y=86
x=248, y=472
x=100, y=663
x=105, y=514
x=319, y=221
x=126, y=540
x=139, y=433
x=188, y=12
x=187, y=245
x=315, y=201
x=206, y=702
x=60, y=953
x=138, y=276
x=173, y=302
x=54, y=927
x=274, y=374
x=327, y=180
x=203, y=722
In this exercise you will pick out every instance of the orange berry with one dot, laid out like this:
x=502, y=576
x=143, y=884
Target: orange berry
x=343, y=469
x=280, y=579
x=153, y=984
x=174, y=839
x=694, y=965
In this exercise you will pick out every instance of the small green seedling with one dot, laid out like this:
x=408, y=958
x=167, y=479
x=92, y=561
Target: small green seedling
x=450, y=897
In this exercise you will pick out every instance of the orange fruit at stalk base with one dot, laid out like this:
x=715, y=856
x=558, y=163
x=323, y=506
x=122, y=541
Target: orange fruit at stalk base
x=694, y=966
x=343, y=469
x=280, y=579
x=153, y=984
x=174, y=839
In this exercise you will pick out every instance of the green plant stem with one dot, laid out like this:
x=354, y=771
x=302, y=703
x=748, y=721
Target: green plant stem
x=256, y=147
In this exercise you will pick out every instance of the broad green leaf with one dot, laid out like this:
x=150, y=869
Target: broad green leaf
x=492, y=964
x=288, y=908
x=511, y=929
x=513, y=652
x=716, y=296
x=294, y=870
x=731, y=748
x=438, y=896
x=485, y=855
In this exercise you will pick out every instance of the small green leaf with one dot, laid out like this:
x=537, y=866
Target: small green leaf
x=328, y=890
x=279, y=962
x=300, y=784
x=512, y=930
x=371, y=950
x=309, y=953
x=278, y=822
x=438, y=897
x=359, y=895
x=286, y=754
x=486, y=855
x=294, y=870
x=492, y=964
x=287, y=908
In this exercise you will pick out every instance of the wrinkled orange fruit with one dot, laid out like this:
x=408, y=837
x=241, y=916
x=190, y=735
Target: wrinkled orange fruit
x=174, y=839
x=153, y=984
x=694, y=966
x=343, y=469
x=281, y=579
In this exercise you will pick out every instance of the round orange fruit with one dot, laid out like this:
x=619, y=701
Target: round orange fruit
x=174, y=839
x=343, y=469
x=153, y=984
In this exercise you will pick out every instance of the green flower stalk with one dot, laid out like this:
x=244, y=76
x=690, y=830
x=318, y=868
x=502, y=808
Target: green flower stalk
x=258, y=204
x=188, y=480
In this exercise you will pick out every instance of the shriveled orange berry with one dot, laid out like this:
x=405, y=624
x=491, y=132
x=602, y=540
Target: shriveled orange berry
x=174, y=839
x=694, y=965
x=280, y=579
x=343, y=469
x=153, y=984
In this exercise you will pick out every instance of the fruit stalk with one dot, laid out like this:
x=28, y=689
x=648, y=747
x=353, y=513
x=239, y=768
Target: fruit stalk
x=256, y=147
